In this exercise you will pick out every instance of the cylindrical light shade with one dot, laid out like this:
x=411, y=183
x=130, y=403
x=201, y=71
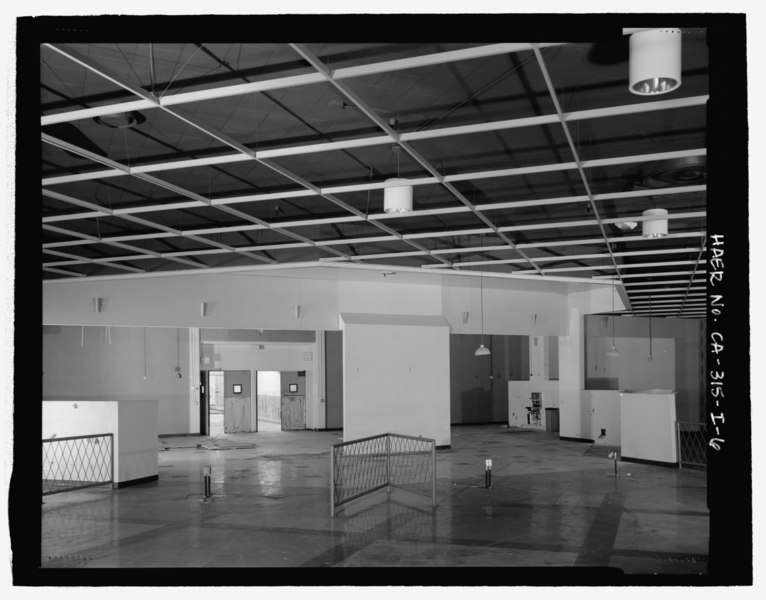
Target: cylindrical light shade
x=482, y=350
x=655, y=61
x=656, y=228
x=397, y=199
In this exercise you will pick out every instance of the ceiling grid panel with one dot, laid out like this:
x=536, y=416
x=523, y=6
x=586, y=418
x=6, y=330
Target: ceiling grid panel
x=527, y=160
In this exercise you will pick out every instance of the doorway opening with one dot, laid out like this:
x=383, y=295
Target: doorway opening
x=269, y=395
x=216, y=402
x=281, y=398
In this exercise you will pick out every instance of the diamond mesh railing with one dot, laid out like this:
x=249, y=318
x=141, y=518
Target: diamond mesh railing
x=362, y=466
x=73, y=463
x=692, y=444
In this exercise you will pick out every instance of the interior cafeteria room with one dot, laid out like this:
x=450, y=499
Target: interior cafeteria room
x=362, y=313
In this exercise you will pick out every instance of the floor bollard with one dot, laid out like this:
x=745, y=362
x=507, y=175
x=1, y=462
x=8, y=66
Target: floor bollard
x=613, y=455
x=206, y=478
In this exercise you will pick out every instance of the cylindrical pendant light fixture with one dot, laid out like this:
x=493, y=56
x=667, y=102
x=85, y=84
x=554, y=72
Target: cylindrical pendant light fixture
x=397, y=196
x=657, y=227
x=655, y=61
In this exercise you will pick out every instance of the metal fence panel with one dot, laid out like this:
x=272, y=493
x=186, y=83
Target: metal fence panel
x=360, y=467
x=73, y=463
x=692, y=444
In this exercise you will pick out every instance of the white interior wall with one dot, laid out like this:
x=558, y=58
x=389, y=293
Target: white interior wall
x=93, y=363
x=389, y=297
x=233, y=301
x=636, y=371
x=574, y=418
x=238, y=301
x=506, y=311
x=396, y=376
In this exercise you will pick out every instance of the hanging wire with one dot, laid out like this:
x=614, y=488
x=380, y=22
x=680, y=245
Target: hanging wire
x=613, y=317
x=650, y=327
x=127, y=150
x=151, y=70
x=481, y=300
x=178, y=72
x=367, y=211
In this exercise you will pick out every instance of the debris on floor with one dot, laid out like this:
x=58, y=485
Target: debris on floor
x=222, y=444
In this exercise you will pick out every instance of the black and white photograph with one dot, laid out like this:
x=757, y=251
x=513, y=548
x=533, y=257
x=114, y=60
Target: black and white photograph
x=370, y=299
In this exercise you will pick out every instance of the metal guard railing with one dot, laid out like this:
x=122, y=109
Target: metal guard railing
x=362, y=466
x=73, y=463
x=692, y=444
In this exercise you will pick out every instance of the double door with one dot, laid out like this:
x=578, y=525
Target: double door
x=228, y=404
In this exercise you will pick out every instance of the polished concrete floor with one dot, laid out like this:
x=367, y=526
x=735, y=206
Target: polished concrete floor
x=552, y=503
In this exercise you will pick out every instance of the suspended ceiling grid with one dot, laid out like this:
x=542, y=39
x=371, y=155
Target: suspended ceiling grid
x=526, y=160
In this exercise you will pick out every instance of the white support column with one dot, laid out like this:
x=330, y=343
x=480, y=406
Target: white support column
x=571, y=375
x=193, y=368
x=536, y=358
x=320, y=393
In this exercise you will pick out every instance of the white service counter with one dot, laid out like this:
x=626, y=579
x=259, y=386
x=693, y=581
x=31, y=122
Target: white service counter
x=132, y=422
x=648, y=428
x=601, y=416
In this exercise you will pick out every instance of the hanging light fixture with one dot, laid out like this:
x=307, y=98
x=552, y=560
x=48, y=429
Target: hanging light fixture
x=656, y=227
x=655, y=61
x=613, y=351
x=397, y=196
x=482, y=350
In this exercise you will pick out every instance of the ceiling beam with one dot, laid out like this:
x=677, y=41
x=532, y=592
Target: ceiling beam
x=148, y=253
x=650, y=275
x=624, y=266
x=666, y=291
x=575, y=153
x=396, y=138
x=667, y=282
x=291, y=81
x=571, y=257
x=200, y=201
x=386, y=139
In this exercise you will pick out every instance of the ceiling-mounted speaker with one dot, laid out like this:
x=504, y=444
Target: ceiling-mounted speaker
x=98, y=304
